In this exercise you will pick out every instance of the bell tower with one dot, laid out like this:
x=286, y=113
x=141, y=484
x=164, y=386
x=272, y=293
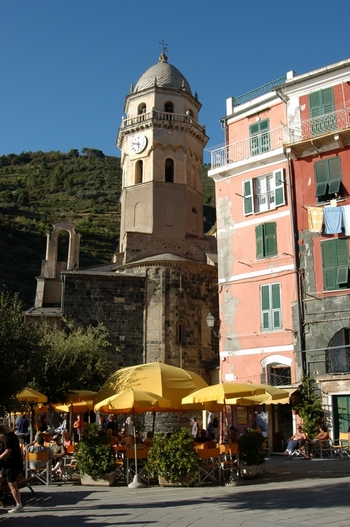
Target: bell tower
x=161, y=145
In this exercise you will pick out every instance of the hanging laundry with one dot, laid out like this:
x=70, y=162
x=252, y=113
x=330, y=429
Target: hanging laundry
x=333, y=220
x=315, y=218
x=346, y=219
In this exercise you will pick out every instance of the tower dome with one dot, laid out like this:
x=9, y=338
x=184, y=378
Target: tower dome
x=163, y=75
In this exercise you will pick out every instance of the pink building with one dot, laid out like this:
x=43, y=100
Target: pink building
x=256, y=268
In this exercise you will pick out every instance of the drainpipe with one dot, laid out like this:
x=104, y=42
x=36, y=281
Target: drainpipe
x=299, y=306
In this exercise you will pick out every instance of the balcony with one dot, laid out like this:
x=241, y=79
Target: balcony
x=157, y=118
x=318, y=132
x=302, y=137
x=247, y=148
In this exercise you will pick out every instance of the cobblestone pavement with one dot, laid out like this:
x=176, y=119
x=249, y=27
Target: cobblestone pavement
x=294, y=493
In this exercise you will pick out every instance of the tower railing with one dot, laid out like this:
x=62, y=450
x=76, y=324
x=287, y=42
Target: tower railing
x=152, y=115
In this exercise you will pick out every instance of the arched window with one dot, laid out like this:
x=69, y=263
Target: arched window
x=338, y=352
x=276, y=370
x=141, y=108
x=169, y=170
x=168, y=107
x=138, y=171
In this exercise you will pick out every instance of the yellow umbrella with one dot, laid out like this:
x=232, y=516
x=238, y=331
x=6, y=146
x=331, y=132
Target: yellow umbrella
x=219, y=393
x=272, y=395
x=31, y=396
x=83, y=406
x=81, y=396
x=133, y=401
x=167, y=381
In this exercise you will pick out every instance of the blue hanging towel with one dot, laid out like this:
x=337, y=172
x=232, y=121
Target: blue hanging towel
x=333, y=220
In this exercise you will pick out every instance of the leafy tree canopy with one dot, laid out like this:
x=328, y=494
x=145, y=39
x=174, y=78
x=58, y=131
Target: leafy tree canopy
x=19, y=344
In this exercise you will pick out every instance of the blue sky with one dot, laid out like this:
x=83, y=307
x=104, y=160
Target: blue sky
x=67, y=65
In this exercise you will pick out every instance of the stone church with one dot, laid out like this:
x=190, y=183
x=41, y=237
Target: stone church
x=156, y=294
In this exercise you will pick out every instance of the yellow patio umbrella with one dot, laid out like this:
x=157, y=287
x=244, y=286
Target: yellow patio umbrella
x=133, y=402
x=32, y=397
x=167, y=381
x=272, y=395
x=81, y=396
x=219, y=393
x=83, y=406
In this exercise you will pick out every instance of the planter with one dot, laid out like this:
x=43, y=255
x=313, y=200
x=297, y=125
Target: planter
x=186, y=481
x=105, y=480
x=251, y=471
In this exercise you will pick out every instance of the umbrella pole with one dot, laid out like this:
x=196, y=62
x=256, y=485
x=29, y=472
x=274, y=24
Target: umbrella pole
x=135, y=484
x=153, y=423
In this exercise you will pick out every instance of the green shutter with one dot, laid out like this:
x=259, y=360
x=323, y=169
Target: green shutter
x=315, y=103
x=265, y=297
x=329, y=265
x=321, y=176
x=327, y=100
x=279, y=188
x=248, y=196
x=270, y=239
x=254, y=129
x=265, y=307
x=259, y=236
x=276, y=297
x=342, y=250
x=334, y=174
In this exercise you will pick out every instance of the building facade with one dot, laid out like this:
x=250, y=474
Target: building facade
x=317, y=143
x=280, y=178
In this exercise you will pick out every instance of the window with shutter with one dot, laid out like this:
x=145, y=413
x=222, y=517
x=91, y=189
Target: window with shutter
x=264, y=193
x=248, y=197
x=266, y=240
x=328, y=178
x=270, y=302
x=335, y=264
x=321, y=104
x=259, y=137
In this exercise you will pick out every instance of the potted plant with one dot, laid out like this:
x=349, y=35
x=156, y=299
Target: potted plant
x=95, y=457
x=251, y=453
x=173, y=459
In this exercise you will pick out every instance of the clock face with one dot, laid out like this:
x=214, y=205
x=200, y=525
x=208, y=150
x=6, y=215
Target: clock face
x=138, y=143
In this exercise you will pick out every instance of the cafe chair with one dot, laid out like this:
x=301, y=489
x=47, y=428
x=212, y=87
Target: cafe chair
x=209, y=467
x=43, y=475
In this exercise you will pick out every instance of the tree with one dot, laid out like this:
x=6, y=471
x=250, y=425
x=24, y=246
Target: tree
x=19, y=343
x=74, y=359
x=309, y=406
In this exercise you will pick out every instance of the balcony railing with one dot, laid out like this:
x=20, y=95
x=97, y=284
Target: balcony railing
x=285, y=135
x=250, y=147
x=317, y=126
x=152, y=115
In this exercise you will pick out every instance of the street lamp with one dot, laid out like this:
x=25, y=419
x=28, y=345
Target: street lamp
x=210, y=323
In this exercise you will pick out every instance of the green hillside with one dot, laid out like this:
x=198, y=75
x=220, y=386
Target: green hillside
x=38, y=189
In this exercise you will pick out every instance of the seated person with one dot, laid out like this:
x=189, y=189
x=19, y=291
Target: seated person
x=322, y=437
x=148, y=439
x=58, y=451
x=111, y=438
x=126, y=440
x=38, y=446
x=295, y=442
x=203, y=437
x=232, y=435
